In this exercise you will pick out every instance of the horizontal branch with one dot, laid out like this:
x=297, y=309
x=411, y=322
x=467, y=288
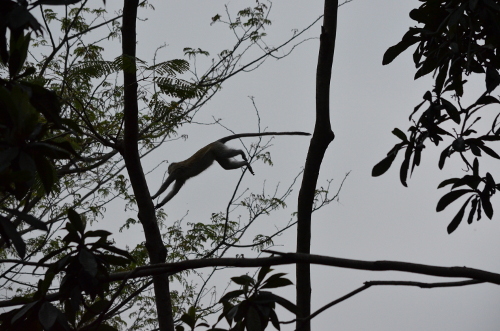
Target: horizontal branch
x=292, y=258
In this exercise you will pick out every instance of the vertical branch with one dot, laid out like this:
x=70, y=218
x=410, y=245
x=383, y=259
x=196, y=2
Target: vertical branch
x=130, y=151
x=321, y=138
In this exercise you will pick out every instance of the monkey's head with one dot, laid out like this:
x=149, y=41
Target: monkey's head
x=172, y=167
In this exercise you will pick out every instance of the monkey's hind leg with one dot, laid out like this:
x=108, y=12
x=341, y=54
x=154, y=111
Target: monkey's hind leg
x=229, y=164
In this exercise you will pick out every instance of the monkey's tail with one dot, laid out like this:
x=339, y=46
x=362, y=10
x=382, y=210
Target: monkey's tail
x=259, y=134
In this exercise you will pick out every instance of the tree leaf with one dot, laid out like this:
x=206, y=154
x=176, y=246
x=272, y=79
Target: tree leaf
x=31, y=220
x=400, y=134
x=231, y=295
x=489, y=151
x=444, y=154
x=472, y=210
x=243, y=280
x=492, y=79
x=76, y=220
x=403, y=171
x=455, y=222
x=449, y=198
x=47, y=315
x=451, y=110
x=263, y=272
x=9, y=234
x=486, y=204
x=252, y=320
x=486, y=100
x=393, y=51
x=384, y=165
x=447, y=182
x=276, y=280
x=87, y=260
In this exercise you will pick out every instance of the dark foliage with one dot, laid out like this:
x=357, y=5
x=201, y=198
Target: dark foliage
x=455, y=39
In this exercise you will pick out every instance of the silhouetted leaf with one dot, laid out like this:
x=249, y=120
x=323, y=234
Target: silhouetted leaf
x=276, y=280
x=447, y=182
x=243, y=280
x=492, y=79
x=400, y=134
x=443, y=70
x=471, y=181
x=489, y=151
x=87, y=260
x=280, y=300
x=449, y=198
x=76, y=220
x=444, y=154
x=384, y=165
x=403, y=171
x=263, y=272
x=472, y=210
x=9, y=234
x=451, y=110
x=47, y=315
x=31, y=220
x=486, y=100
x=393, y=51
x=252, y=320
x=231, y=295
x=458, y=218
x=486, y=204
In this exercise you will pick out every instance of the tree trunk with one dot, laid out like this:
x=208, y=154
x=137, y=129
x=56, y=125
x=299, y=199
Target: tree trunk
x=321, y=138
x=130, y=151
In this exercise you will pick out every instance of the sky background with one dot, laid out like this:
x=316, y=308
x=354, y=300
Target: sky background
x=375, y=218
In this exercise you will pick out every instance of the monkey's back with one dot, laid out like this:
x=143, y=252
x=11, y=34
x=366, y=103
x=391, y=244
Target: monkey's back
x=198, y=162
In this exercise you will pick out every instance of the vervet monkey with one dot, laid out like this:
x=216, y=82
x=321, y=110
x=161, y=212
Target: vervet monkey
x=202, y=159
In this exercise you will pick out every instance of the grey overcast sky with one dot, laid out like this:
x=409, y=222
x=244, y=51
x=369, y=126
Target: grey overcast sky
x=376, y=218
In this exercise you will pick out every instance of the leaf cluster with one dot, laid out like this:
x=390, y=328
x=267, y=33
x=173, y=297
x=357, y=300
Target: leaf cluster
x=456, y=38
x=84, y=264
x=250, y=307
x=33, y=134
